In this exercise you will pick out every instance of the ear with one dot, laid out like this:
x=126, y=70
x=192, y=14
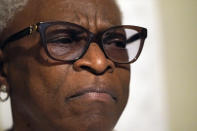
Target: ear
x=3, y=70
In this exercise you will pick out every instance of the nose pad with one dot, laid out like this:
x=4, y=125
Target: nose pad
x=94, y=61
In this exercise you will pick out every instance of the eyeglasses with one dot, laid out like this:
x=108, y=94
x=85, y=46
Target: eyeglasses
x=64, y=41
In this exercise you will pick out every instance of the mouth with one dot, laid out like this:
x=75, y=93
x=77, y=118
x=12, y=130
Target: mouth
x=93, y=94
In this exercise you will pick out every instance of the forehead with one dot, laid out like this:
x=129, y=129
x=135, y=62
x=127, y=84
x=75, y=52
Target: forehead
x=83, y=12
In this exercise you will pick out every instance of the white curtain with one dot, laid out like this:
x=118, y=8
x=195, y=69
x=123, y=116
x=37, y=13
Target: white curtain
x=146, y=109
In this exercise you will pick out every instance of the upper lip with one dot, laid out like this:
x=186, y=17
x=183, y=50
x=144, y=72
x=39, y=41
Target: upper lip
x=93, y=89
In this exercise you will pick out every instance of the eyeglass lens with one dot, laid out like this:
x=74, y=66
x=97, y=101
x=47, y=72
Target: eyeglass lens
x=121, y=44
x=66, y=42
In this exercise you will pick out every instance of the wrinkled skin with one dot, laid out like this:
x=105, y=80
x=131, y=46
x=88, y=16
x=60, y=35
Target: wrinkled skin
x=40, y=86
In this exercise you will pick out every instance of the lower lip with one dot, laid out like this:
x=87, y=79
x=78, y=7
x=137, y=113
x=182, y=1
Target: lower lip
x=95, y=96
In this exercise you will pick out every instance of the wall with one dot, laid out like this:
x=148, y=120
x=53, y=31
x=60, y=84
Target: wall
x=179, y=18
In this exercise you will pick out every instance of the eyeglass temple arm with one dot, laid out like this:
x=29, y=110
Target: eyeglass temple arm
x=135, y=37
x=27, y=31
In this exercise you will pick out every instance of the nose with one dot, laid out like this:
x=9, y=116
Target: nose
x=94, y=61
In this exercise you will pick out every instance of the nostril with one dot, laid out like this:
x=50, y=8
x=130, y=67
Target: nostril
x=97, y=71
x=87, y=68
x=109, y=68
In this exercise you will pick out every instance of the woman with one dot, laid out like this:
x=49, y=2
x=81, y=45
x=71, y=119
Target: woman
x=70, y=69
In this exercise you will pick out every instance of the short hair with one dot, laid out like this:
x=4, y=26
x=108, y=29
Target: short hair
x=8, y=8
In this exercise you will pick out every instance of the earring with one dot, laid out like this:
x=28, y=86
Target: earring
x=4, y=95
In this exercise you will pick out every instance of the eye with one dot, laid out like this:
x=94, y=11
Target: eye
x=115, y=39
x=116, y=43
x=61, y=40
x=63, y=36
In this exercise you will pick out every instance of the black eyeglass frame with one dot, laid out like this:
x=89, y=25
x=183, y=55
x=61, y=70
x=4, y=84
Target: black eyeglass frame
x=42, y=26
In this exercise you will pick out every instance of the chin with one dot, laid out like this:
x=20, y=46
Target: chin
x=95, y=123
x=91, y=121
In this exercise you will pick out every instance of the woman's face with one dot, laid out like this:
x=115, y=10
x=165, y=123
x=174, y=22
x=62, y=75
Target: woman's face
x=45, y=93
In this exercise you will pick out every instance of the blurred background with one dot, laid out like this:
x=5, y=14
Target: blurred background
x=163, y=89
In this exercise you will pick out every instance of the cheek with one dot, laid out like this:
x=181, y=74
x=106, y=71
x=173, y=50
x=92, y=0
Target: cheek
x=46, y=74
x=35, y=85
x=45, y=85
x=124, y=76
x=124, y=79
x=46, y=81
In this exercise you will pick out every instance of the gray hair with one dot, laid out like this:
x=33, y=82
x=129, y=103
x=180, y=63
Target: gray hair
x=8, y=8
